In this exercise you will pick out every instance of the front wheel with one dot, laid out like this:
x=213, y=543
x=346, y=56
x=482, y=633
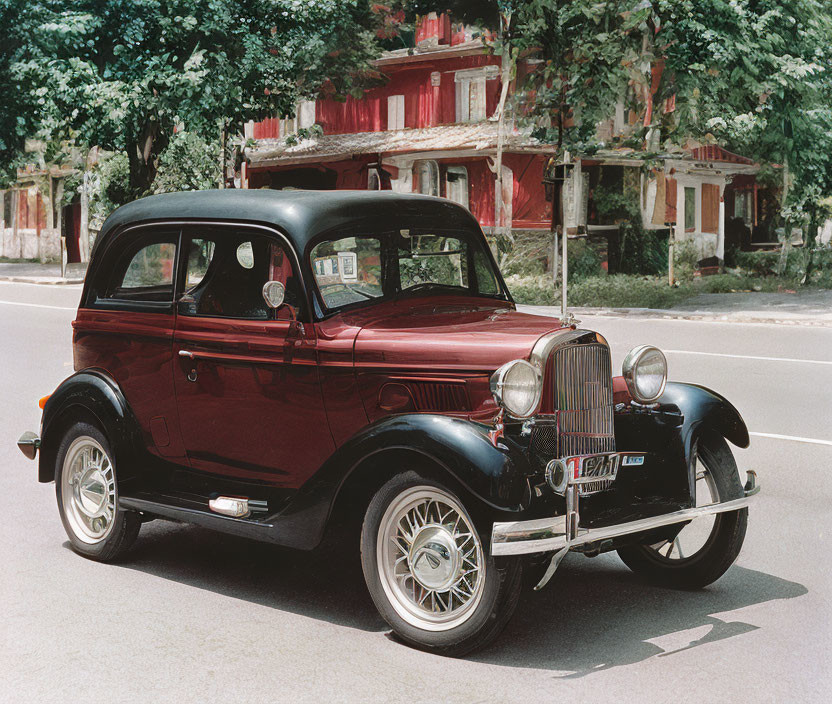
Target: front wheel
x=429, y=572
x=705, y=548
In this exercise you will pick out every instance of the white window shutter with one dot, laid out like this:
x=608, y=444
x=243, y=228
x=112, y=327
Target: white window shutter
x=395, y=112
x=463, y=100
x=306, y=113
x=477, y=100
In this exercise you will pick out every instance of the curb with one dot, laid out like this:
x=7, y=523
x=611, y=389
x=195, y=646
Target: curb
x=40, y=281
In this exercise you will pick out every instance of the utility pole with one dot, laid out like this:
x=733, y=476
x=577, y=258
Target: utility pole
x=223, y=157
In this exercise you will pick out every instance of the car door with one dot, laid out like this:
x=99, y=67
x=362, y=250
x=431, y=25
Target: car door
x=247, y=387
x=125, y=326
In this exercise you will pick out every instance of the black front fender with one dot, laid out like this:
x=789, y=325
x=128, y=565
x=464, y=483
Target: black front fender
x=495, y=476
x=670, y=429
x=92, y=395
x=703, y=407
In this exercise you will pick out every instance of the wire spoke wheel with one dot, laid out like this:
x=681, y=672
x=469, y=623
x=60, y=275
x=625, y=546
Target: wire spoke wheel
x=696, y=534
x=701, y=550
x=88, y=490
x=430, y=559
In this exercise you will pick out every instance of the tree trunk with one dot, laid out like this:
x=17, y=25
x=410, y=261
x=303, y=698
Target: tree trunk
x=223, y=155
x=787, y=231
x=809, y=246
x=83, y=227
x=506, y=71
x=143, y=152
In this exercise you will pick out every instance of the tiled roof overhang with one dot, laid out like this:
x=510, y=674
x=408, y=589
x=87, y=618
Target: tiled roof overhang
x=481, y=136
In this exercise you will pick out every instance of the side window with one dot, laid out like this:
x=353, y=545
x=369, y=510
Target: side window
x=143, y=271
x=200, y=252
x=226, y=272
x=486, y=280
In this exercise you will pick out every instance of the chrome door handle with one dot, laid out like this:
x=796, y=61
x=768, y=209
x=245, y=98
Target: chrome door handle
x=191, y=374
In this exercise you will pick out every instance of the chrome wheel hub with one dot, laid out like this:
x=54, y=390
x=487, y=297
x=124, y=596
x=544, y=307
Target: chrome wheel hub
x=90, y=493
x=434, y=558
x=431, y=563
x=88, y=490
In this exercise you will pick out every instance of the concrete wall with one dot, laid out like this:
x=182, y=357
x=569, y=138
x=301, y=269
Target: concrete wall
x=47, y=249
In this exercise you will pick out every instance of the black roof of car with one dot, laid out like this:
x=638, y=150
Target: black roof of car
x=300, y=215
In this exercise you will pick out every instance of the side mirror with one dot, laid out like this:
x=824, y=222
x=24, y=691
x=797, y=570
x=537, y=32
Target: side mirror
x=274, y=293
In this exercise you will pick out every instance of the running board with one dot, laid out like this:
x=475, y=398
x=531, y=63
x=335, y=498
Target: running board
x=247, y=528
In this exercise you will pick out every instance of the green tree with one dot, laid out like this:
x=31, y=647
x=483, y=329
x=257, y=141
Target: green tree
x=755, y=75
x=123, y=74
x=189, y=163
x=15, y=101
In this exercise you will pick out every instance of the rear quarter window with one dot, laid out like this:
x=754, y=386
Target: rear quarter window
x=138, y=270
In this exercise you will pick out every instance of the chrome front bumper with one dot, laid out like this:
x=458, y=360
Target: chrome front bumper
x=559, y=532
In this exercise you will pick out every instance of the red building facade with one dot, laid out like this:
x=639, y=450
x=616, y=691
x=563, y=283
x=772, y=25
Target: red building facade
x=431, y=129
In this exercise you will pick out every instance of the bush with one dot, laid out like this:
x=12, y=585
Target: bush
x=621, y=291
x=758, y=263
x=685, y=260
x=533, y=290
x=530, y=252
x=642, y=251
x=618, y=291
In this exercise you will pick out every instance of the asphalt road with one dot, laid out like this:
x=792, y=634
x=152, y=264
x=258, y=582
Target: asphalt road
x=194, y=616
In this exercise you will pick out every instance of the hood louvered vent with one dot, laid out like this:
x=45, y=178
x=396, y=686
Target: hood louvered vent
x=439, y=396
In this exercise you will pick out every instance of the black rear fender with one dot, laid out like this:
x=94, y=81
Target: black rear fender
x=92, y=396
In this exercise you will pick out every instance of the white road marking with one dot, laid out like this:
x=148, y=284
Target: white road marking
x=748, y=356
x=810, y=441
x=36, y=305
x=33, y=283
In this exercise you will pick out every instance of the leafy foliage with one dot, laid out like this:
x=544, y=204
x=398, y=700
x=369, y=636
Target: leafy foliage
x=189, y=163
x=123, y=73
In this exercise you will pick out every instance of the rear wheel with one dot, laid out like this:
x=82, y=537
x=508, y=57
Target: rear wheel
x=87, y=493
x=705, y=548
x=429, y=572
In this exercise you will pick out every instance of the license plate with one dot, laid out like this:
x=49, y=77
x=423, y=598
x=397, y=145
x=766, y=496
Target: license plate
x=593, y=467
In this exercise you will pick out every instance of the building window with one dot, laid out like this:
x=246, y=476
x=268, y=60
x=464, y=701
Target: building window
x=426, y=178
x=456, y=184
x=743, y=206
x=690, y=208
x=395, y=112
x=470, y=92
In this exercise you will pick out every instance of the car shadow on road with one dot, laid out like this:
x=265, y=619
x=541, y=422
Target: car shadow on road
x=326, y=583
x=594, y=615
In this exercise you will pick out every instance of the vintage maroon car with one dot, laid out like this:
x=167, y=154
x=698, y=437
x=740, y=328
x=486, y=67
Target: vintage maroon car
x=258, y=361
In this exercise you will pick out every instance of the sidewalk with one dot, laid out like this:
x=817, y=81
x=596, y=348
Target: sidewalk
x=34, y=273
x=809, y=307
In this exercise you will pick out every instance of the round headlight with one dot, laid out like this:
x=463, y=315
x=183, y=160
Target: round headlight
x=516, y=387
x=645, y=371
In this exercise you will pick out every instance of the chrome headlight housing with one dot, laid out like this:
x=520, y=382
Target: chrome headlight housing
x=516, y=386
x=645, y=371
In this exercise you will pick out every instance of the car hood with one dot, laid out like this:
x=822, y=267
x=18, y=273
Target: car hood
x=447, y=336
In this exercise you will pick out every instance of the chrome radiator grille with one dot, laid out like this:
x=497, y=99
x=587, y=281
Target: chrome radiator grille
x=583, y=400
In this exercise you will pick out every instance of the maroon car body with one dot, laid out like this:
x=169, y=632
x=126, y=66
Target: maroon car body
x=256, y=362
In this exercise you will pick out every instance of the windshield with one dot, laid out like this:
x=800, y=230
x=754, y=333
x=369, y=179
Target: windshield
x=361, y=268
